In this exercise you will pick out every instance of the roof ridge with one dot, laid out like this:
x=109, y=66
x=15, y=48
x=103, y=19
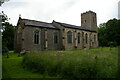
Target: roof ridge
x=35, y=23
x=73, y=26
x=35, y=20
x=66, y=23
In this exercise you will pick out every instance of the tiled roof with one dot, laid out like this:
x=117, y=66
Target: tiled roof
x=35, y=23
x=74, y=26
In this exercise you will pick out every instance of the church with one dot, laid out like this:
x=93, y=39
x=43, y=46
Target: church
x=37, y=35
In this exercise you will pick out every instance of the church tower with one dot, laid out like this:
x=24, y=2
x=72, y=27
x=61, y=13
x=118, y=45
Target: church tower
x=89, y=20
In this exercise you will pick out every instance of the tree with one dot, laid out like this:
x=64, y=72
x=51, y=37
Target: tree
x=102, y=35
x=109, y=33
x=112, y=31
x=7, y=34
x=2, y=1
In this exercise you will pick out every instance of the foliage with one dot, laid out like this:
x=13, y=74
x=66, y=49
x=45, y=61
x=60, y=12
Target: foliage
x=3, y=1
x=108, y=33
x=101, y=34
x=7, y=34
x=93, y=63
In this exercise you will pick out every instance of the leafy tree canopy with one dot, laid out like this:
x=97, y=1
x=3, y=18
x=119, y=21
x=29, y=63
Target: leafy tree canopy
x=109, y=33
x=7, y=34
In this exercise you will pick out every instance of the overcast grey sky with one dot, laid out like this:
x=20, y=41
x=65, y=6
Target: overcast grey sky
x=66, y=11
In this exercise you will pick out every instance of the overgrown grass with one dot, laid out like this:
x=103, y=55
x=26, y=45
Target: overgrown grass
x=93, y=63
x=13, y=68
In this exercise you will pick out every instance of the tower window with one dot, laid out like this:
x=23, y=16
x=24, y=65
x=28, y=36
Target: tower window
x=69, y=37
x=36, y=37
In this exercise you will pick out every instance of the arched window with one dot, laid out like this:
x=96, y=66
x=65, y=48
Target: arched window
x=69, y=37
x=86, y=38
x=55, y=37
x=95, y=38
x=36, y=37
x=78, y=37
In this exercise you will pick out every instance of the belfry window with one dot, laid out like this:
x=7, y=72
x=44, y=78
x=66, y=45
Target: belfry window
x=78, y=37
x=55, y=37
x=69, y=37
x=86, y=38
x=36, y=37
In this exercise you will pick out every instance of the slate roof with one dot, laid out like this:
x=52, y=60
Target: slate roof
x=41, y=24
x=74, y=26
x=35, y=23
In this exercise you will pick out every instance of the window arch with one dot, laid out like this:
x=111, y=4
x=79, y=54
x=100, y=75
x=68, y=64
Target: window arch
x=69, y=37
x=36, y=37
x=78, y=37
x=86, y=38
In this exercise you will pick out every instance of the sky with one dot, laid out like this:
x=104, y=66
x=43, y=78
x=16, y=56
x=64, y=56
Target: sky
x=119, y=10
x=66, y=11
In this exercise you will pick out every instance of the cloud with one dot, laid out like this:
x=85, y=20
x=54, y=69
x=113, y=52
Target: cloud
x=68, y=11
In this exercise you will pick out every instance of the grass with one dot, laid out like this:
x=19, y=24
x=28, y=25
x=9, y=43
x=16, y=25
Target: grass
x=12, y=68
x=92, y=63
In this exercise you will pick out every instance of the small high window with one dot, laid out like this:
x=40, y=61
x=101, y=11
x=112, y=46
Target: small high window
x=36, y=37
x=69, y=37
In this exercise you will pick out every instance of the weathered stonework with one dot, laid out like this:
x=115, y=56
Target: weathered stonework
x=53, y=36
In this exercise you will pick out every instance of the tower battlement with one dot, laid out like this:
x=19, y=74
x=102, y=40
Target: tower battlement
x=89, y=20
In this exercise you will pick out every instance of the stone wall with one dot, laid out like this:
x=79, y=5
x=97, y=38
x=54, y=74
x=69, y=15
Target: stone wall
x=46, y=39
x=61, y=30
x=75, y=45
x=28, y=36
x=18, y=39
x=50, y=38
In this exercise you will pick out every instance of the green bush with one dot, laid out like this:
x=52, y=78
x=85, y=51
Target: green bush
x=94, y=63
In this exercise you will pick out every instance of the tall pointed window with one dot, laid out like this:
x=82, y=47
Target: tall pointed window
x=55, y=37
x=36, y=37
x=78, y=38
x=86, y=38
x=69, y=37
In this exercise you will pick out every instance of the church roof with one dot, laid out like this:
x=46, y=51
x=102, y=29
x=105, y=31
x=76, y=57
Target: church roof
x=74, y=26
x=41, y=24
x=70, y=25
x=35, y=23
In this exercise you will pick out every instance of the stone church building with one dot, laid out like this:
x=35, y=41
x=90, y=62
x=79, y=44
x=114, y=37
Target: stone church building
x=37, y=35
